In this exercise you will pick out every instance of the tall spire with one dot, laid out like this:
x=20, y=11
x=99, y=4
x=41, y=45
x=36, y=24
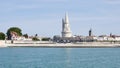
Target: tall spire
x=66, y=32
x=66, y=18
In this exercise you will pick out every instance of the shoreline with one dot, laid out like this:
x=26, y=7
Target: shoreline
x=65, y=46
x=59, y=45
x=68, y=45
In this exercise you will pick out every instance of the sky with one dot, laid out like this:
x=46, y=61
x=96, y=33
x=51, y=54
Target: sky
x=44, y=17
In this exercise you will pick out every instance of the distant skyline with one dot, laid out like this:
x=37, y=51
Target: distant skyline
x=44, y=17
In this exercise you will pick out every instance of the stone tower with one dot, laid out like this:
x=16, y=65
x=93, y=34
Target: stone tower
x=66, y=32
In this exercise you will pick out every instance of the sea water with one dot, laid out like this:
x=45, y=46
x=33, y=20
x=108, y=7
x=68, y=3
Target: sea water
x=59, y=57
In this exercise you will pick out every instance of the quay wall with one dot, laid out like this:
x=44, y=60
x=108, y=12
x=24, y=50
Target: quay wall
x=2, y=43
x=8, y=43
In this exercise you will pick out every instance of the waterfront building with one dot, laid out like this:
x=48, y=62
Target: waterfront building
x=13, y=35
x=66, y=32
x=68, y=38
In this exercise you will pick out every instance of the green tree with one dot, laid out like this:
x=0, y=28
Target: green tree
x=45, y=39
x=13, y=29
x=25, y=35
x=2, y=36
x=35, y=39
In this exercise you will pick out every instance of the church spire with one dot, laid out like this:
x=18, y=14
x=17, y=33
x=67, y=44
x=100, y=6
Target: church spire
x=90, y=32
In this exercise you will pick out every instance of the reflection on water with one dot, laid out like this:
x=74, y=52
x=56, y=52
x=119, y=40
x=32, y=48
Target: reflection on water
x=67, y=50
x=59, y=57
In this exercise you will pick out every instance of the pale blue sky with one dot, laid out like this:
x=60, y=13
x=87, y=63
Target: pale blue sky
x=44, y=16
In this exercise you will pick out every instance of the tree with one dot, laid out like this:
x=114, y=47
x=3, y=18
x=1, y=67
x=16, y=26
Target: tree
x=2, y=36
x=13, y=29
x=35, y=39
x=45, y=39
x=25, y=35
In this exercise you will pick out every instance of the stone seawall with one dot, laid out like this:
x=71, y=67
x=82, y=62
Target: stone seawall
x=47, y=44
x=2, y=43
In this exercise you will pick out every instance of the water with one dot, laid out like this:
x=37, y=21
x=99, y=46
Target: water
x=59, y=57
